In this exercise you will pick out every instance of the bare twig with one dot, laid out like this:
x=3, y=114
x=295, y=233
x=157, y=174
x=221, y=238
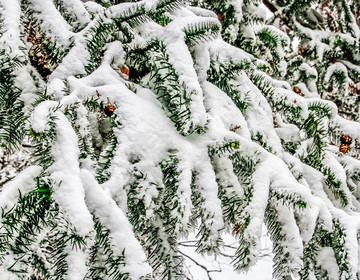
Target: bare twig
x=231, y=246
x=188, y=243
x=226, y=255
x=208, y=271
x=189, y=274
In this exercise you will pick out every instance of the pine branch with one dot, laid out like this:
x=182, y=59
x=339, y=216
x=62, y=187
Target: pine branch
x=201, y=32
x=12, y=119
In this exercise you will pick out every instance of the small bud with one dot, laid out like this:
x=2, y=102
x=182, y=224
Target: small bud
x=344, y=148
x=302, y=204
x=109, y=110
x=221, y=17
x=296, y=90
x=345, y=139
x=235, y=145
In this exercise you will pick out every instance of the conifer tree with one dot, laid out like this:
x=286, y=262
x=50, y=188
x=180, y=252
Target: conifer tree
x=147, y=120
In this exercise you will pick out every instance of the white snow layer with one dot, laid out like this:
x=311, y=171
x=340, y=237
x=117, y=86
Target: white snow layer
x=114, y=219
x=146, y=132
x=10, y=39
x=24, y=182
x=68, y=191
x=52, y=21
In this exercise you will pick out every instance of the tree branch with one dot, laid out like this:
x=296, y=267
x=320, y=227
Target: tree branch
x=200, y=265
x=270, y=6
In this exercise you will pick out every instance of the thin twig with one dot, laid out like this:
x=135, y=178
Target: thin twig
x=230, y=246
x=200, y=265
x=226, y=255
x=187, y=241
x=187, y=245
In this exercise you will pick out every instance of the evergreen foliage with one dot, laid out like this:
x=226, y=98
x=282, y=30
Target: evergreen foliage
x=149, y=120
x=11, y=115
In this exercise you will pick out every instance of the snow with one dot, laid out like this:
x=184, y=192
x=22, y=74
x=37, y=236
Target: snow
x=209, y=190
x=24, y=81
x=146, y=137
x=77, y=264
x=259, y=115
x=64, y=173
x=178, y=51
x=114, y=52
x=220, y=267
x=326, y=257
x=218, y=103
x=184, y=195
x=287, y=132
x=336, y=67
x=39, y=120
x=52, y=21
x=73, y=63
x=292, y=99
x=77, y=8
x=114, y=219
x=119, y=10
x=10, y=37
x=342, y=125
x=202, y=12
x=4, y=272
x=56, y=89
x=23, y=183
